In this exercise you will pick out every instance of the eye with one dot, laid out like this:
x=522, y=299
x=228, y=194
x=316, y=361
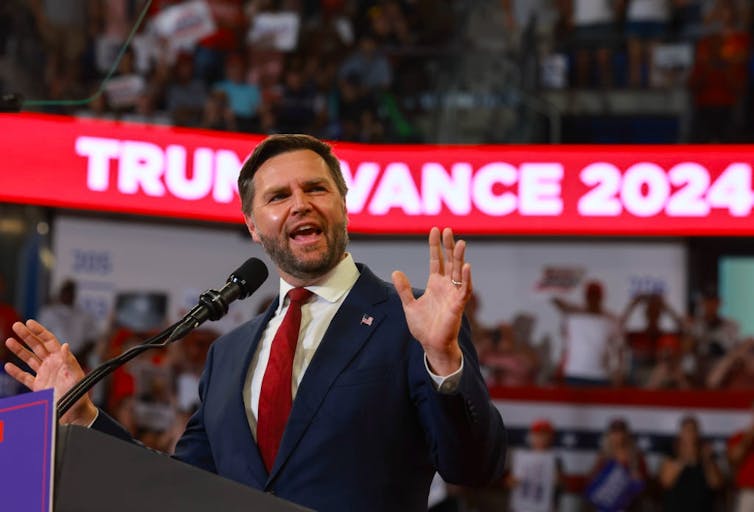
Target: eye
x=279, y=196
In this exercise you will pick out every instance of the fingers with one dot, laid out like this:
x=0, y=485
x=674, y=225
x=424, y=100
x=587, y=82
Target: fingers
x=466, y=278
x=448, y=244
x=458, y=261
x=452, y=264
x=50, y=342
x=403, y=287
x=454, y=257
x=435, y=253
x=20, y=375
x=41, y=341
x=23, y=353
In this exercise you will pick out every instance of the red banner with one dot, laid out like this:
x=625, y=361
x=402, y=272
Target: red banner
x=393, y=189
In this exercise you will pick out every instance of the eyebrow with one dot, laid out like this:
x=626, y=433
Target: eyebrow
x=286, y=188
x=315, y=181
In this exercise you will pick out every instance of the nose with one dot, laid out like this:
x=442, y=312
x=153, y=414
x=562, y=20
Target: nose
x=300, y=201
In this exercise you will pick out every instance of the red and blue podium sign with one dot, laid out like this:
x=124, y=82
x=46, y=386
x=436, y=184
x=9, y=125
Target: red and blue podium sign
x=27, y=438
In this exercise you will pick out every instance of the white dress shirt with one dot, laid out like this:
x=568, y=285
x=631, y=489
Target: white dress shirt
x=316, y=315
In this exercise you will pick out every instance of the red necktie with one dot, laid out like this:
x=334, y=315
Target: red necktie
x=276, y=397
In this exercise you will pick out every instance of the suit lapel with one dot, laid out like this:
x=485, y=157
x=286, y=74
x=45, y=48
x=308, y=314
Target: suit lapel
x=353, y=324
x=249, y=445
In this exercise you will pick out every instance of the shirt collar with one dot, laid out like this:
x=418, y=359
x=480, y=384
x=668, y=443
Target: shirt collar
x=334, y=284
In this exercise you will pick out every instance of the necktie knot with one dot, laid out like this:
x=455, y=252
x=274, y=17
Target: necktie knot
x=298, y=295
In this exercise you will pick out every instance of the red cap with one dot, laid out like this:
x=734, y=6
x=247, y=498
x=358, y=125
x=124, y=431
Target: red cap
x=542, y=425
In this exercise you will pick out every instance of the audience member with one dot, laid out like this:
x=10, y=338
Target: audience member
x=351, y=102
x=145, y=111
x=217, y=114
x=536, y=476
x=121, y=385
x=211, y=52
x=69, y=322
x=187, y=367
x=185, y=96
x=718, y=78
x=713, y=334
x=593, y=28
x=669, y=371
x=296, y=110
x=388, y=25
x=647, y=23
x=63, y=27
x=690, y=477
x=244, y=98
x=734, y=370
x=154, y=404
x=619, y=475
x=643, y=343
x=741, y=460
x=512, y=362
x=123, y=89
x=591, y=354
x=369, y=64
x=482, y=336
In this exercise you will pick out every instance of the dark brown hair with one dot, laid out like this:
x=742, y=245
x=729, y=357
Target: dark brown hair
x=275, y=145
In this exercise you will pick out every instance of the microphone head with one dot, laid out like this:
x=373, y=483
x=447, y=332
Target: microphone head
x=249, y=276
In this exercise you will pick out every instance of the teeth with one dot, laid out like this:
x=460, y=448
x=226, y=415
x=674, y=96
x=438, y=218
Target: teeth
x=303, y=229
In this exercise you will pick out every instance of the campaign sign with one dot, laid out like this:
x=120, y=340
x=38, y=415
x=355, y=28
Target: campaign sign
x=27, y=437
x=613, y=488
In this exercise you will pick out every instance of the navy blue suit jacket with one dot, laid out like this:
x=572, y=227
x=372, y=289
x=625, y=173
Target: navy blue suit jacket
x=367, y=428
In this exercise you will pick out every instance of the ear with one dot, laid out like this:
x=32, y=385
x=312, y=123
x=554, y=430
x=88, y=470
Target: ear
x=251, y=227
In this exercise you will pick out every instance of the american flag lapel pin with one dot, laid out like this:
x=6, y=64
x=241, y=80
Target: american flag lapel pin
x=366, y=319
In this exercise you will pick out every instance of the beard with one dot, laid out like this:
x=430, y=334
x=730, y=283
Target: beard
x=306, y=269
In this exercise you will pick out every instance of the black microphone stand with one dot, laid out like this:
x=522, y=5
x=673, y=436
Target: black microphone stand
x=216, y=308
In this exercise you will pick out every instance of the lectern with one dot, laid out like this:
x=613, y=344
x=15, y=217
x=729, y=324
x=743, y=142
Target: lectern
x=96, y=472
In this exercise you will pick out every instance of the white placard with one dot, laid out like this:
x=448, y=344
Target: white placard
x=186, y=23
x=276, y=29
x=124, y=90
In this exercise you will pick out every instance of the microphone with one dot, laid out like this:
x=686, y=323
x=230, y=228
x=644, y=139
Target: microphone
x=213, y=305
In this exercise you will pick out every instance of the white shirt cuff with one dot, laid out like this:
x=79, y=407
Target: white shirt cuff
x=449, y=383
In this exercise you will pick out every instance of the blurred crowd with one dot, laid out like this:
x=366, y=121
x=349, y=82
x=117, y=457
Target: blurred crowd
x=331, y=68
x=370, y=70
x=662, y=348
x=690, y=475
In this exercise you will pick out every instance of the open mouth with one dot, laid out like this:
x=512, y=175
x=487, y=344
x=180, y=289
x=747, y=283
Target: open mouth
x=306, y=233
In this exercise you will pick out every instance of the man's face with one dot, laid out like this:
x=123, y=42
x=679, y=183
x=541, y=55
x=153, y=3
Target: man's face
x=298, y=216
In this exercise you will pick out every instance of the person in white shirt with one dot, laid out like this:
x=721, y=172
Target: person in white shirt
x=592, y=348
x=647, y=23
x=594, y=27
x=70, y=322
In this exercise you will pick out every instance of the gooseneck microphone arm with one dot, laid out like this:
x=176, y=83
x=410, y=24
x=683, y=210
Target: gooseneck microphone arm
x=213, y=305
x=106, y=368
